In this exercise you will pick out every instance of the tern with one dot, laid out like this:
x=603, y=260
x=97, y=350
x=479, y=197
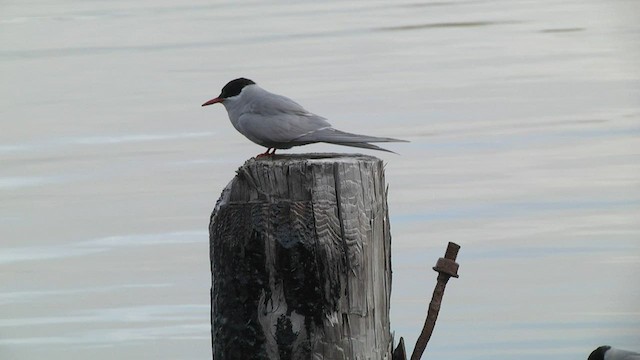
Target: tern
x=608, y=353
x=277, y=122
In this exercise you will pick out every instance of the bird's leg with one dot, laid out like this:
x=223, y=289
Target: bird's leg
x=273, y=152
x=264, y=154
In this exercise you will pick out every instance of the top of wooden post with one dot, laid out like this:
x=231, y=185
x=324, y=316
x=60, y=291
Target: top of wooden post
x=326, y=157
x=286, y=177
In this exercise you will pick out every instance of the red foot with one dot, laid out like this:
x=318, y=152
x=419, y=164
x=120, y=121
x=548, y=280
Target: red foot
x=266, y=153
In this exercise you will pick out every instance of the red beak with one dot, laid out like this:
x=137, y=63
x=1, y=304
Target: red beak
x=213, y=101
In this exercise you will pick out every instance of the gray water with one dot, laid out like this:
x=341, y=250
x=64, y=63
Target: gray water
x=523, y=118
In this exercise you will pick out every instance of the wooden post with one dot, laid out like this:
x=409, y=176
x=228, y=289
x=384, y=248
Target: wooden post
x=301, y=260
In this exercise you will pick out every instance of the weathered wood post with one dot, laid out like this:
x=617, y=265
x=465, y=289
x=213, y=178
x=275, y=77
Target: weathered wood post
x=301, y=260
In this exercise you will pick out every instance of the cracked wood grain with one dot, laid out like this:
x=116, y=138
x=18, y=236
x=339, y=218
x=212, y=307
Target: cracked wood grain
x=300, y=260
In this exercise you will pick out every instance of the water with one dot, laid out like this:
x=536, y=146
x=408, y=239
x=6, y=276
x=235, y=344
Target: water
x=523, y=118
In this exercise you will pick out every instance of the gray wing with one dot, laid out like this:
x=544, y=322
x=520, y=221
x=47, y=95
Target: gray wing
x=267, y=103
x=283, y=128
x=365, y=146
x=289, y=121
x=618, y=354
x=273, y=118
x=331, y=135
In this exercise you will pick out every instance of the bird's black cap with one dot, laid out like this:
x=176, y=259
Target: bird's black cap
x=234, y=87
x=598, y=354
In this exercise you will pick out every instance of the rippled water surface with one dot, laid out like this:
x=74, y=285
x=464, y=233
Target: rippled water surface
x=523, y=117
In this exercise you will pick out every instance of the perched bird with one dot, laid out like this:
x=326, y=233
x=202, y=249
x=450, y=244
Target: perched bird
x=608, y=353
x=277, y=122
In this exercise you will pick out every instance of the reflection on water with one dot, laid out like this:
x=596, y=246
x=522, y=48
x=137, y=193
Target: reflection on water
x=561, y=30
x=108, y=243
x=523, y=119
x=446, y=25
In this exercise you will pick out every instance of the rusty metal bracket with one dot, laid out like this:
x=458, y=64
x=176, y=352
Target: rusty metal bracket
x=446, y=268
